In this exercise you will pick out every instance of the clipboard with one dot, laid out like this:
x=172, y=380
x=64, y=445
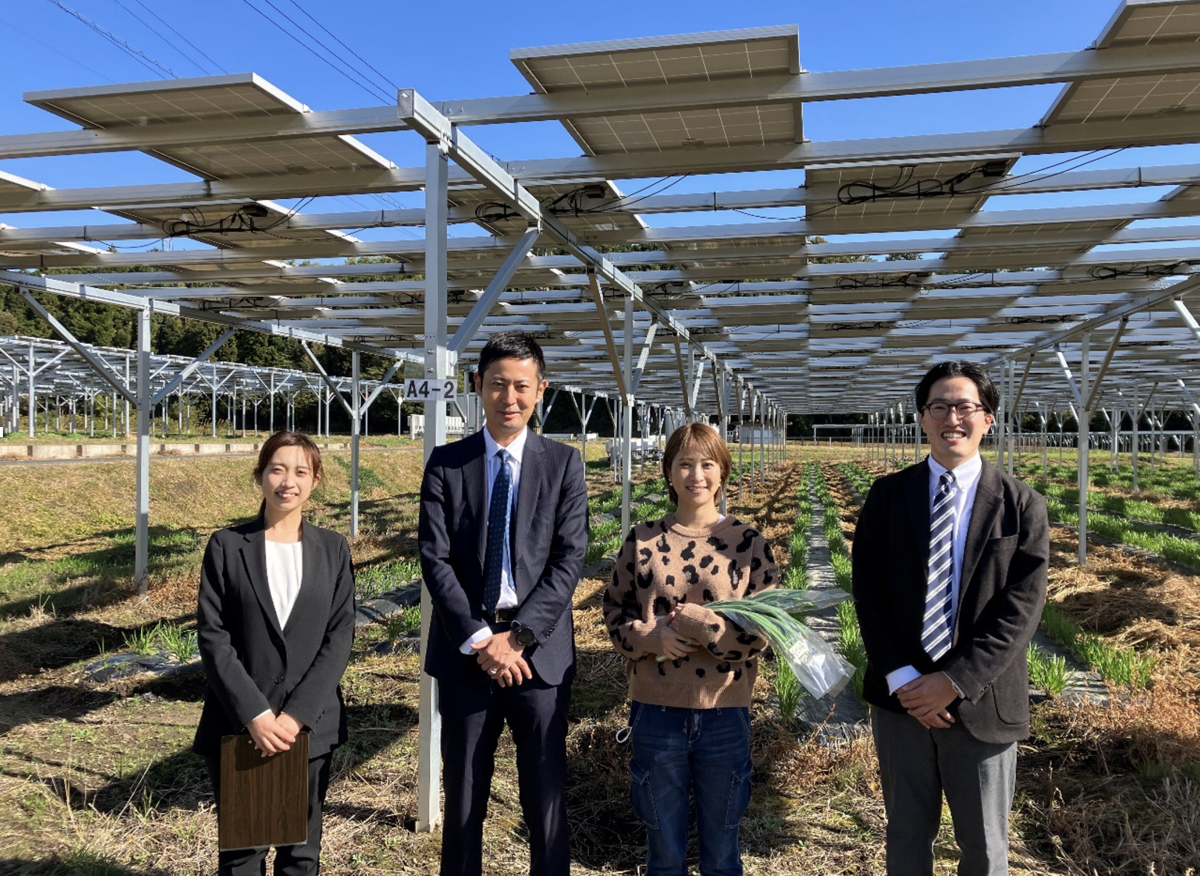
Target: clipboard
x=264, y=800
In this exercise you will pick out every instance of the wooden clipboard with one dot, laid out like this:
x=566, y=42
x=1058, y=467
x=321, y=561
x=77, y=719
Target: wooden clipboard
x=264, y=800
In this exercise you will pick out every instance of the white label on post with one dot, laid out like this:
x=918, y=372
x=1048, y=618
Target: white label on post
x=430, y=390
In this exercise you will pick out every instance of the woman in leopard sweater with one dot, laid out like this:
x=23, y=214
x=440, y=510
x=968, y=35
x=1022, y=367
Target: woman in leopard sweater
x=691, y=671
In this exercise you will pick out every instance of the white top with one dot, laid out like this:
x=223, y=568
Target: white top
x=966, y=482
x=516, y=452
x=285, y=569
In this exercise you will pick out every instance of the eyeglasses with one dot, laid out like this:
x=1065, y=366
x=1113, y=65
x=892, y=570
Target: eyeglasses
x=965, y=410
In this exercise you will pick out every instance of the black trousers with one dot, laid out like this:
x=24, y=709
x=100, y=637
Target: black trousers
x=474, y=710
x=298, y=860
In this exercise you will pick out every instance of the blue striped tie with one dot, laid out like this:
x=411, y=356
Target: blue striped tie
x=936, y=630
x=497, y=533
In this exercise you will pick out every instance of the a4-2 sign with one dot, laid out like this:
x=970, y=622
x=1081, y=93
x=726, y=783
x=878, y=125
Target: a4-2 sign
x=430, y=390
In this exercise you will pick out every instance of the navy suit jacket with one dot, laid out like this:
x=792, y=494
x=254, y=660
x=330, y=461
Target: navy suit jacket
x=251, y=663
x=549, y=541
x=999, y=604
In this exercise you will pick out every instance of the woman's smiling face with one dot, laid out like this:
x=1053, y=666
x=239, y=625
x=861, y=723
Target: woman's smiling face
x=288, y=480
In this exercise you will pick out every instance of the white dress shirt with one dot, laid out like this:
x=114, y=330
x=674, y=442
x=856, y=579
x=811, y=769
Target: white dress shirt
x=285, y=572
x=966, y=481
x=516, y=452
x=285, y=568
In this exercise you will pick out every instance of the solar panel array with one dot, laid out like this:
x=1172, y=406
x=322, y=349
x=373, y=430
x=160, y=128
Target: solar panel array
x=831, y=295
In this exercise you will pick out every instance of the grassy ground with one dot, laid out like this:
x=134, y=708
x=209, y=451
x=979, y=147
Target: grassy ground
x=97, y=778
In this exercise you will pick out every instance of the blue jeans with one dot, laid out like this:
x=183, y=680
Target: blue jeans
x=702, y=751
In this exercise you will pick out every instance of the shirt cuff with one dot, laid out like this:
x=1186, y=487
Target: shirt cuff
x=259, y=715
x=897, y=678
x=954, y=684
x=476, y=638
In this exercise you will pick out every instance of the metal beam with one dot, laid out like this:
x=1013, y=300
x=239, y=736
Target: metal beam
x=468, y=327
x=647, y=345
x=337, y=392
x=98, y=365
x=178, y=379
x=1112, y=348
x=1145, y=302
x=606, y=327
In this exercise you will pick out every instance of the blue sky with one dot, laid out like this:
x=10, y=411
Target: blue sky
x=460, y=50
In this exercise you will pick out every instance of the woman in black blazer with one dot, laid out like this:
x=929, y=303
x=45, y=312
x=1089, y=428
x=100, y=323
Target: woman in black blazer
x=276, y=623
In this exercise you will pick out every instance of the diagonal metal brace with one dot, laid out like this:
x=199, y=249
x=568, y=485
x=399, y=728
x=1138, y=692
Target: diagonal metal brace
x=494, y=290
x=98, y=365
x=337, y=393
x=175, y=381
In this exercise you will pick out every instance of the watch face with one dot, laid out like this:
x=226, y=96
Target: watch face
x=524, y=635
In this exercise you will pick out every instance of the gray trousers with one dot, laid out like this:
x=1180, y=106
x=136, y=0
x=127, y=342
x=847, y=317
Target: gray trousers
x=915, y=766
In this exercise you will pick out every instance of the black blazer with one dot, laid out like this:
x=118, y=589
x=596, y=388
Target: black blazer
x=252, y=665
x=1000, y=599
x=549, y=541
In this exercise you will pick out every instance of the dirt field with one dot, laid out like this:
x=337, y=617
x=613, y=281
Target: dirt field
x=97, y=778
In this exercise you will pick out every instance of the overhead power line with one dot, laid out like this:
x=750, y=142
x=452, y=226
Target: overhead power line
x=51, y=48
x=344, y=46
x=352, y=76
x=181, y=36
x=132, y=51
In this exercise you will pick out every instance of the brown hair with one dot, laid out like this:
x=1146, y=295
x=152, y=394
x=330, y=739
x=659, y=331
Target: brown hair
x=288, y=439
x=703, y=438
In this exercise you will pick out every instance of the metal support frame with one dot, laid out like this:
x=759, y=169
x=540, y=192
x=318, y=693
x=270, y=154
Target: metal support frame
x=1082, y=450
x=627, y=422
x=178, y=379
x=141, y=561
x=1112, y=348
x=468, y=327
x=437, y=367
x=606, y=327
x=683, y=380
x=98, y=364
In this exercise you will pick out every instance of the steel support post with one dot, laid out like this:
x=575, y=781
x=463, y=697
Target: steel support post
x=356, y=418
x=627, y=420
x=141, y=550
x=1085, y=417
x=1011, y=410
x=1194, y=416
x=437, y=367
x=741, y=398
x=32, y=391
x=762, y=441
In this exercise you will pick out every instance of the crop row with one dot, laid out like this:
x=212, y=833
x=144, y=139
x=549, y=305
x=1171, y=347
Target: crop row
x=1185, y=551
x=851, y=641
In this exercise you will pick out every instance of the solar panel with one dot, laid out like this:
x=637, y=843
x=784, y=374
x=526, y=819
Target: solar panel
x=675, y=61
x=1136, y=24
x=213, y=100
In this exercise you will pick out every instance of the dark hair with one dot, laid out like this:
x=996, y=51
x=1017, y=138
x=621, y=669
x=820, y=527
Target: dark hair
x=288, y=439
x=989, y=396
x=705, y=439
x=512, y=345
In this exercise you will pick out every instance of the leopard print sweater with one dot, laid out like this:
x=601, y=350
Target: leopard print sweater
x=663, y=565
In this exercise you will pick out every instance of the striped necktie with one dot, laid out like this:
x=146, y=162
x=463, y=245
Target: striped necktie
x=936, y=631
x=497, y=532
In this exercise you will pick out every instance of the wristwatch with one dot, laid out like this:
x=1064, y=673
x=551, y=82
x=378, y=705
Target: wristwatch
x=524, y=635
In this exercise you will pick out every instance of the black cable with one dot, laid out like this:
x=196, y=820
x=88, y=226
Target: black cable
x=1145, y=272
x=62, y=54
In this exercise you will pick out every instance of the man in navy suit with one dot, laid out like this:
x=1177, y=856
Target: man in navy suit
x=950, y=560
x=503, y=530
